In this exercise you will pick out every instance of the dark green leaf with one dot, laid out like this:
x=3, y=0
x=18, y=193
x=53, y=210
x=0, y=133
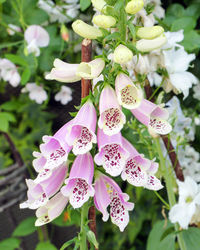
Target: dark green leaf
x=176, y=10
x=192, y=238
x=45, y=246
x=114, y=35
x=10, y=244
x=132, y=29
x=191, y=40
x=84, y=4
x=26, y=227
x=68, y=243
x=8, y=116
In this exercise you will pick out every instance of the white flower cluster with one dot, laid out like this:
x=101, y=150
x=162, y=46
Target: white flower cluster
x=62, y=13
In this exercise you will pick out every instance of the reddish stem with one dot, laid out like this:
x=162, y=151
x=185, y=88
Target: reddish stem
x=166, y=139
x=86, y=86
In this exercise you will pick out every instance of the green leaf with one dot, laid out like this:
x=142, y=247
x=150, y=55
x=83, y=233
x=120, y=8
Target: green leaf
x=5, y=118
x=10, y=244
x=114, y=35
x=154, y=241
x=10, y=105
x=25, y=76
x=36, y=16
x=176, y=10
x=68, y=243
x=132, y=29
x=191, y=40
x=16, y=59
x=8, y=116
x=45, y=246
x=11, y=44
x=191, y=238
x=84, y=4
x=92, y=238
x=186, y=23
x=26, y=227
x=193, y=10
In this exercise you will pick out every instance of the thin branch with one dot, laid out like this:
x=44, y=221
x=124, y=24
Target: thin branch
x=9, y=169
x=167, y=142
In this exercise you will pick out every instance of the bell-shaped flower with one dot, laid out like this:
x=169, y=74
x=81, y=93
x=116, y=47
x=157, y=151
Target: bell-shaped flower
x=81, y=132
x=104, y=21
x=122, y=54
x=153, y=116
x=111, y=118
x=128, y=95
x=91, y=69
x=9, y=73
x=139, y=171
x=51, y=210
x=150, y=32
x=189, y=199
x=146, y=45
x=79, y=184
x=39, y=192
x=85, y=30
x=63, y=72
x=112, y=155
x=107, y=192
x=54, y=151
x=134, y=6
x=36, y=37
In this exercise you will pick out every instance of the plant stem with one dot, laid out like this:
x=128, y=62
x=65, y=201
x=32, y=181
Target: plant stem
x=167, y=173
x=84, y=216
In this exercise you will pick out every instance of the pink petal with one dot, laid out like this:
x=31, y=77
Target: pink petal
x=38, y=33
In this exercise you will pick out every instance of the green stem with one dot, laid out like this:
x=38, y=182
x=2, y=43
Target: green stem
x=84, y=217
x=167, y=173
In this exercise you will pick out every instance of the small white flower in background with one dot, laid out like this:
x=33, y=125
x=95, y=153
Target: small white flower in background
x=36, y=93
x=36, y=37
x=12, y=29
x=64, y=95
x=196, y=90
x=189, y=198
x=176, y=63
x=9, y=73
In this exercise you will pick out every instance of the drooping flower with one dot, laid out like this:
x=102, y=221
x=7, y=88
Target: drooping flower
x=36, y=93
x=150, y=32
x=81, y=132
x=63, y=72
x=147, y=45
x=54, y=152
x=128, y=95
x=64, y=95
x=189, y=198
x=85, y=30
x=111, y=118
x=107, y=192
x=99, y=5
x=134, y=6
x=104, y=21
x=112, y=156
x=39, y=192
x=36, y=37
x=9, y=73
x=51, y=210
x=177, y=63
x=79, y=184
x=139, y=171
x=153, y=116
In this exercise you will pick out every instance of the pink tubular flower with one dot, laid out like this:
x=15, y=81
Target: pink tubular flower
x=54, y=151
x=128, y=95
x=81, y=133
x=79, y=184
x=111, y=118
x=36, y=37
x=51, y=210
x=107, y=192
x=39, y=193
x=140, y=171
x=153, y=116
x=111, y=153
x=63, y=72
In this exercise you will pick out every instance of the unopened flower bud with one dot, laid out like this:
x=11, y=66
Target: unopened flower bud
x=104, y=21
x=122, y=54
x=134, y=6
x=85, y=30
x=145, y=45
x=99, y=5
x=150, y=32
x=64, y=33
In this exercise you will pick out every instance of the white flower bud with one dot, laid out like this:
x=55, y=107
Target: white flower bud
x=99, y=5
x=104, y=21
x=85, y=30
x=122, y=54
x=145, y=45
x=150, y=32
x=134, y=6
